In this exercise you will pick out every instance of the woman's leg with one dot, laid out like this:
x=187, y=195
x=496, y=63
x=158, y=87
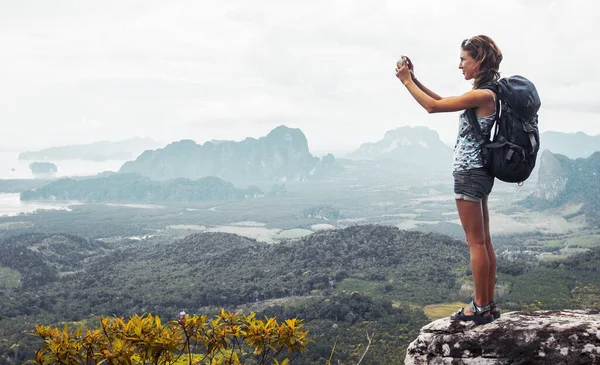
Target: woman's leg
x=471, y=218
x=490, y=250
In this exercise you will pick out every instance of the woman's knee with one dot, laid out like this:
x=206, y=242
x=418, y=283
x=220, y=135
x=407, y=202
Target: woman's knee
x=488, y=238
x=476, y=240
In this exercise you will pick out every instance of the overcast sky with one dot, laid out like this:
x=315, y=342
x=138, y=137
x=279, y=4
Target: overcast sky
x=82, y=71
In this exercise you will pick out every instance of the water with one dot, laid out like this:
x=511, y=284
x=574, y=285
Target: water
x=12, y=168
x=11, y=205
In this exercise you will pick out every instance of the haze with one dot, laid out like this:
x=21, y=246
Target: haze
x=78, y=72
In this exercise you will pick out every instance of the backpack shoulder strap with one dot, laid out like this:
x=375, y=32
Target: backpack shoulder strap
x=495, y=88
x=475, y=127
x=472, y=116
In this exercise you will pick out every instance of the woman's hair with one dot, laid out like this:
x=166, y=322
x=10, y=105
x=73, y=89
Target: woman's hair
x=487, y=55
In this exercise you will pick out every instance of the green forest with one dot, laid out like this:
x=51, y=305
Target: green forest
x=343, y=284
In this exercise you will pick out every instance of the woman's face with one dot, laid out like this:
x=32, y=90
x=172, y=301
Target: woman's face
x=468, y=65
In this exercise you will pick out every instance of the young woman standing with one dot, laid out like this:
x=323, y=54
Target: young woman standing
x=479, y=61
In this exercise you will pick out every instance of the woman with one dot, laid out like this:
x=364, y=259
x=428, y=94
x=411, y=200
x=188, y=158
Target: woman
x=479, y=61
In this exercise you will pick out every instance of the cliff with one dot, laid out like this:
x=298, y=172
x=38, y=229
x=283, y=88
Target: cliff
x=540, y=337
x=412, y=146
x=281, y=156
x=563, y=181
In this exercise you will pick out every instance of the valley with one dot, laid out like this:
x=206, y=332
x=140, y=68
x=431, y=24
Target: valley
x=374, y=245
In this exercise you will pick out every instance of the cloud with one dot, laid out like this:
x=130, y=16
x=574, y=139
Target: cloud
x=224, y=70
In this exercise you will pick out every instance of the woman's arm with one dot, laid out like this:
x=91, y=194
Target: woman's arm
x=426, y=90
x=471, y=99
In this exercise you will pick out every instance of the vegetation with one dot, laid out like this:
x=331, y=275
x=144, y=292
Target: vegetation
x=229, y=338
x=346, y=284
x=326, y=212
x=362, y=286
x=569, y=283
x=136, y=188
x=343, y=322
x=214, y=270
x=437, y=311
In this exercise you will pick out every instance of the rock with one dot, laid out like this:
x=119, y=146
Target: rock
x=43, y=168
x=540, y=337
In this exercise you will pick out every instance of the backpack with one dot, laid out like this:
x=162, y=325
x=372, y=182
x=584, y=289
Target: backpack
x=510, y=156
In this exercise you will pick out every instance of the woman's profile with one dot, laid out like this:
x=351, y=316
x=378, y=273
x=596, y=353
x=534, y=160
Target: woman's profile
x=479, y=61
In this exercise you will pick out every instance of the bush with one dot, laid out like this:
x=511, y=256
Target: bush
x=229, y=338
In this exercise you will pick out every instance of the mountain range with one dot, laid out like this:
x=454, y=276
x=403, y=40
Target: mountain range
x=282, y=155
x=98, y=151
x=411, y=146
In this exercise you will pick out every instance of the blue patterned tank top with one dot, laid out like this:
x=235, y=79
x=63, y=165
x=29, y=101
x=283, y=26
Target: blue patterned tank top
x=467, y=151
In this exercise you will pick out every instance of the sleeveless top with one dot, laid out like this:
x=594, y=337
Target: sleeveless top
x=467, y=151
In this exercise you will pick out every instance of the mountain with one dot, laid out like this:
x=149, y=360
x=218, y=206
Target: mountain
x=282, y=155
x=413, y=146
x=562, y=180
x=572, y=145
x=99, y=151
x=130, y=187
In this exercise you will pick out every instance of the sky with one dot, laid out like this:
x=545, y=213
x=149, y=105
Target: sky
x=81, y=71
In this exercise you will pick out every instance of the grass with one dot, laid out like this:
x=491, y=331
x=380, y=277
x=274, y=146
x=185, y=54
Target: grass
x=362, y=286
x=553, y=243
x=584, y=241
x=551, y=257
x=441, y=310
x=573, y=250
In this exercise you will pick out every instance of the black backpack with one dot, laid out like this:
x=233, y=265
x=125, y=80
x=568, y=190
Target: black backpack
x=510, y=156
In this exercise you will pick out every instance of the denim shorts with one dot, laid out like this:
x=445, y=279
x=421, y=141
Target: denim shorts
x=472, y=185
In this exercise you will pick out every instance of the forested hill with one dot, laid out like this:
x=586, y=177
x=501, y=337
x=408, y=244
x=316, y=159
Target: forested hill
x=343, y=282
x=38, y=259
x=224, y=269
x=131, y=187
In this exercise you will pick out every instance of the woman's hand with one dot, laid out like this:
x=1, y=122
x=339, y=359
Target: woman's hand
x=411, y=67
x=404, y=72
